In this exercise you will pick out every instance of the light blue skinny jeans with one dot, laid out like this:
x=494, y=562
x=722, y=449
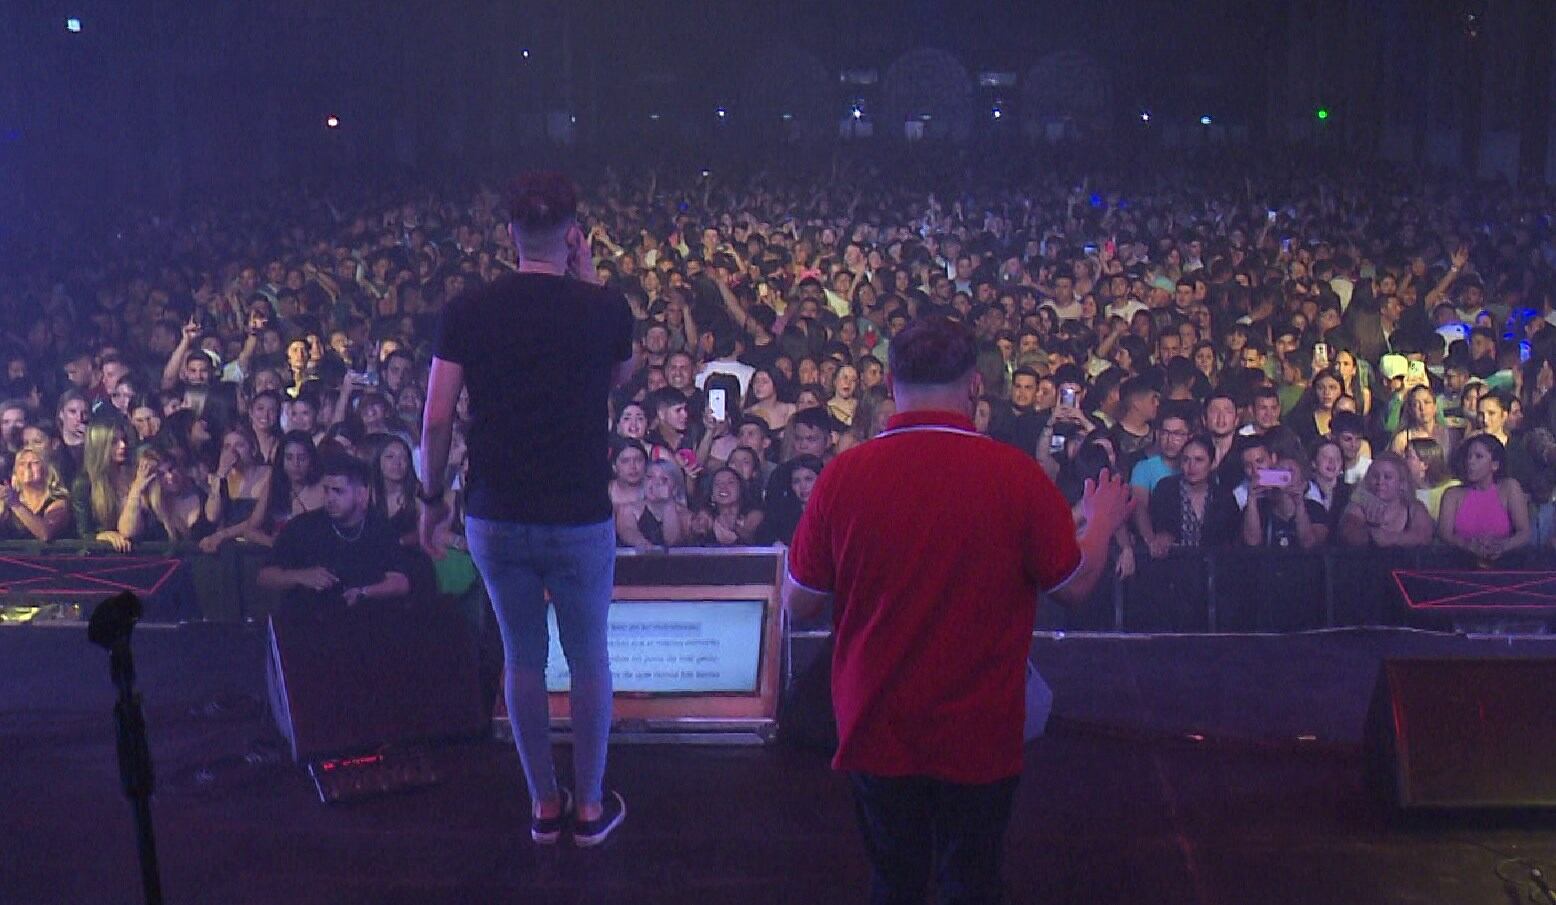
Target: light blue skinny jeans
x=576, y=565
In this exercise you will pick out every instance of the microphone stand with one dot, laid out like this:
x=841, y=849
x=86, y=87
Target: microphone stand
x=110, y=628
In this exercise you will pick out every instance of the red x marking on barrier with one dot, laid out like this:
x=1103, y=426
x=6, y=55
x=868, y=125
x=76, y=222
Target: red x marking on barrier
x=83, y=576
x=1526, y=586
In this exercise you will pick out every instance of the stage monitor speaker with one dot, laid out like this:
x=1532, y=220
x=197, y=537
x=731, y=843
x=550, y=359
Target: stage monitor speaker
x=361, y=680
x=1459, y=733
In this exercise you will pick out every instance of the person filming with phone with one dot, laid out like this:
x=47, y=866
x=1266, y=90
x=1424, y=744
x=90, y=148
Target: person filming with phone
x=1279, y=513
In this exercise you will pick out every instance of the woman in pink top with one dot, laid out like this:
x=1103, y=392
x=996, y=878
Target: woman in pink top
x=1488, y=515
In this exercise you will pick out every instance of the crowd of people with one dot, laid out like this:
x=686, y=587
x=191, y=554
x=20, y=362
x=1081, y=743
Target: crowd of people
x=1363, y=359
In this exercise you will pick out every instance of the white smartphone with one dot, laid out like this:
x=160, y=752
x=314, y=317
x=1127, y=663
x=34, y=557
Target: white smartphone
x=1321, y=356
x=718, y=403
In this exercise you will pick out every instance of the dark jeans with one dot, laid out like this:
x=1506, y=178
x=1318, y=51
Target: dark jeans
x=914, y=825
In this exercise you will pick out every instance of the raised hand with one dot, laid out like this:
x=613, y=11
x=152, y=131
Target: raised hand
x=1106, y=502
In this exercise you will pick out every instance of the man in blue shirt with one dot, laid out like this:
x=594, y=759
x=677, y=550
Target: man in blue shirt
x=1171, y=434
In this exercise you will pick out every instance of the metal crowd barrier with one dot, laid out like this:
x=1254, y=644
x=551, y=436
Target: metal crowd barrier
x=1232, y=589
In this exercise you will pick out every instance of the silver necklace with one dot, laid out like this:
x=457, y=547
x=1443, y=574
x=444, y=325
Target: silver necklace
x=362, y=526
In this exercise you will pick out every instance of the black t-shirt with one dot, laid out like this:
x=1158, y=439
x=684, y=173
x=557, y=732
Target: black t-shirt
x=1019, y=429
x=311, y=540
x=1282, y=532
x=537, y=352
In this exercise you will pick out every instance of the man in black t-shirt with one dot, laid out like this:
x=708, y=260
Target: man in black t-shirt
x=538, y=513
x=1019, y=423
x=341, y=554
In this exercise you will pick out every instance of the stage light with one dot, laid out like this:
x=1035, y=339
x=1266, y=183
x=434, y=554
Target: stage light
x=572, y=119
x=1322, y=113
x=858, y=112
x=654, y=117
x=998, y=113
x=721, y=113
x=788, y=116
x=1205, y=120
x=73, y=24
x=332, y=122
x=524, y=53
x=1145, y=116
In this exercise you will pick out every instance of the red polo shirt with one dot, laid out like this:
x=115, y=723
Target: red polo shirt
x=935, y=541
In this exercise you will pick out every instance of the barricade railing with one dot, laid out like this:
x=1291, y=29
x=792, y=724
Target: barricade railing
x=1229, y=589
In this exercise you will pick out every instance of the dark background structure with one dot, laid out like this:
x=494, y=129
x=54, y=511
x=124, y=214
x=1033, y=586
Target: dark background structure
x=166, y=97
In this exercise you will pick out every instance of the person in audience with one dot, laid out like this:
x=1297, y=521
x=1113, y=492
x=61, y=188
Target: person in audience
x=124, y=393
x=748, y=464
x=99, y=491
x=396, y=488
x=302, y=414
x=632, y=422
x=34, y=505
x=1279, y=514
x=1430, y=472
x=875, y=408
x=1350, y=431
x=762, y=400
x=13, y=420
x=1487, y=515
x=1190, y=508
x=1384, y=510
x=1326, y=484
x=788, y=491
x=661, y=518
x=1353, y=380
x=265, y=421
x=844, y=401
x=238, y=499
x=628, y=467
x=810, y=433
x=1419, y=419
x=72, y=413
x=1313, y=416
x=342, y=555
x=296, y=482
x=730, y=517
x=146, y=418
x=163, y=505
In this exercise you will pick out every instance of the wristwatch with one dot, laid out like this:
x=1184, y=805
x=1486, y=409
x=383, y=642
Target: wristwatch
x=429, y=496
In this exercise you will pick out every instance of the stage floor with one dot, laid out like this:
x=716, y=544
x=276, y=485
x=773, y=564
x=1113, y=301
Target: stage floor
x=1118, y=804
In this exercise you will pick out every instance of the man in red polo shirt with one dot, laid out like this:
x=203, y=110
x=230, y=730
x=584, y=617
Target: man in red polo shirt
x=933, y=542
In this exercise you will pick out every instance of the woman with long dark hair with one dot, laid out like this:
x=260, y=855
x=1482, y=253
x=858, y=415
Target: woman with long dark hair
x=730, y=516
x=396, y=487
x=1310, y=416
x=265, y=420
x=1191, y=508
x=296, y=480
x=1488, y=514
x=763, y=401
